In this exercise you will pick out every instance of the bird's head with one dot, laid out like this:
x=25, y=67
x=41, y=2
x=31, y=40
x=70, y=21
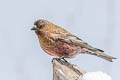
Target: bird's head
x=39, y=24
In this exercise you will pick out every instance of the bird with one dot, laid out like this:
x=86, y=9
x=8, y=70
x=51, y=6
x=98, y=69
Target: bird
x=58, y=42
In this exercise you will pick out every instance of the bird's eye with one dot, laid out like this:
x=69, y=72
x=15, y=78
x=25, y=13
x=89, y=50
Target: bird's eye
x=40, y=26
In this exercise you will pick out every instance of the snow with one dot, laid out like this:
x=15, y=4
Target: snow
x=96, y=76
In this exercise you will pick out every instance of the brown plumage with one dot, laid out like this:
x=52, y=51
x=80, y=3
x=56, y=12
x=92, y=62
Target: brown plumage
x=56, y=41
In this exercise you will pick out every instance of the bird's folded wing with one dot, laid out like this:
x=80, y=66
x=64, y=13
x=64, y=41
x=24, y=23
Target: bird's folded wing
x=69, y=38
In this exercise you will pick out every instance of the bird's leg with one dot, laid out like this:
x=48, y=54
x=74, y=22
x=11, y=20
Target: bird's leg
x=63, y=59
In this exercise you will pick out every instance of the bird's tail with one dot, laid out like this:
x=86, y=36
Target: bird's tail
x=105, y=56
x=101, y=54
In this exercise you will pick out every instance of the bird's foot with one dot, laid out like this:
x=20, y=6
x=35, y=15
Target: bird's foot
x=63, y=59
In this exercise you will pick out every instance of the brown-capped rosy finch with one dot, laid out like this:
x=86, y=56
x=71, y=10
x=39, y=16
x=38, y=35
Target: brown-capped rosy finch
x=56, y=41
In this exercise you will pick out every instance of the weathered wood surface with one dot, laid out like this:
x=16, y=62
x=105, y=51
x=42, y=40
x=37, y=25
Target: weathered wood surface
x=65, y=71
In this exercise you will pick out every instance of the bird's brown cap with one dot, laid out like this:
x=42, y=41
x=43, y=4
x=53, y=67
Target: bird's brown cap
x=39, y=23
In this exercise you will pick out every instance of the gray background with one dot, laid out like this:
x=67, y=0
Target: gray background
x=95, y=21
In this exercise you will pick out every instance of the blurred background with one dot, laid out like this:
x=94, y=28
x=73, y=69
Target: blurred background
x=95, y=21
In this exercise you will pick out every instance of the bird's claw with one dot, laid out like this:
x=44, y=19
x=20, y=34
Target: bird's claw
x=63, y=59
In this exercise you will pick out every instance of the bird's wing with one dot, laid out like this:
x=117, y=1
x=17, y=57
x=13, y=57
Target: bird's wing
x=63, y=35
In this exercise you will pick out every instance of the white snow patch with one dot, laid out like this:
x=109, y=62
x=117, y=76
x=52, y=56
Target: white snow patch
x=96, y=76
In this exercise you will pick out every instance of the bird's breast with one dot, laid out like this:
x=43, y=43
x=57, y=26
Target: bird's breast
x=47, y=42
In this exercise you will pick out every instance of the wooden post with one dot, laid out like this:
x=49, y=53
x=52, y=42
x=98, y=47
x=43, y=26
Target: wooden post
x=65, y=71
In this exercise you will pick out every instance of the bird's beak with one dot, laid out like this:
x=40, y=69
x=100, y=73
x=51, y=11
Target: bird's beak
x=34, y=28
